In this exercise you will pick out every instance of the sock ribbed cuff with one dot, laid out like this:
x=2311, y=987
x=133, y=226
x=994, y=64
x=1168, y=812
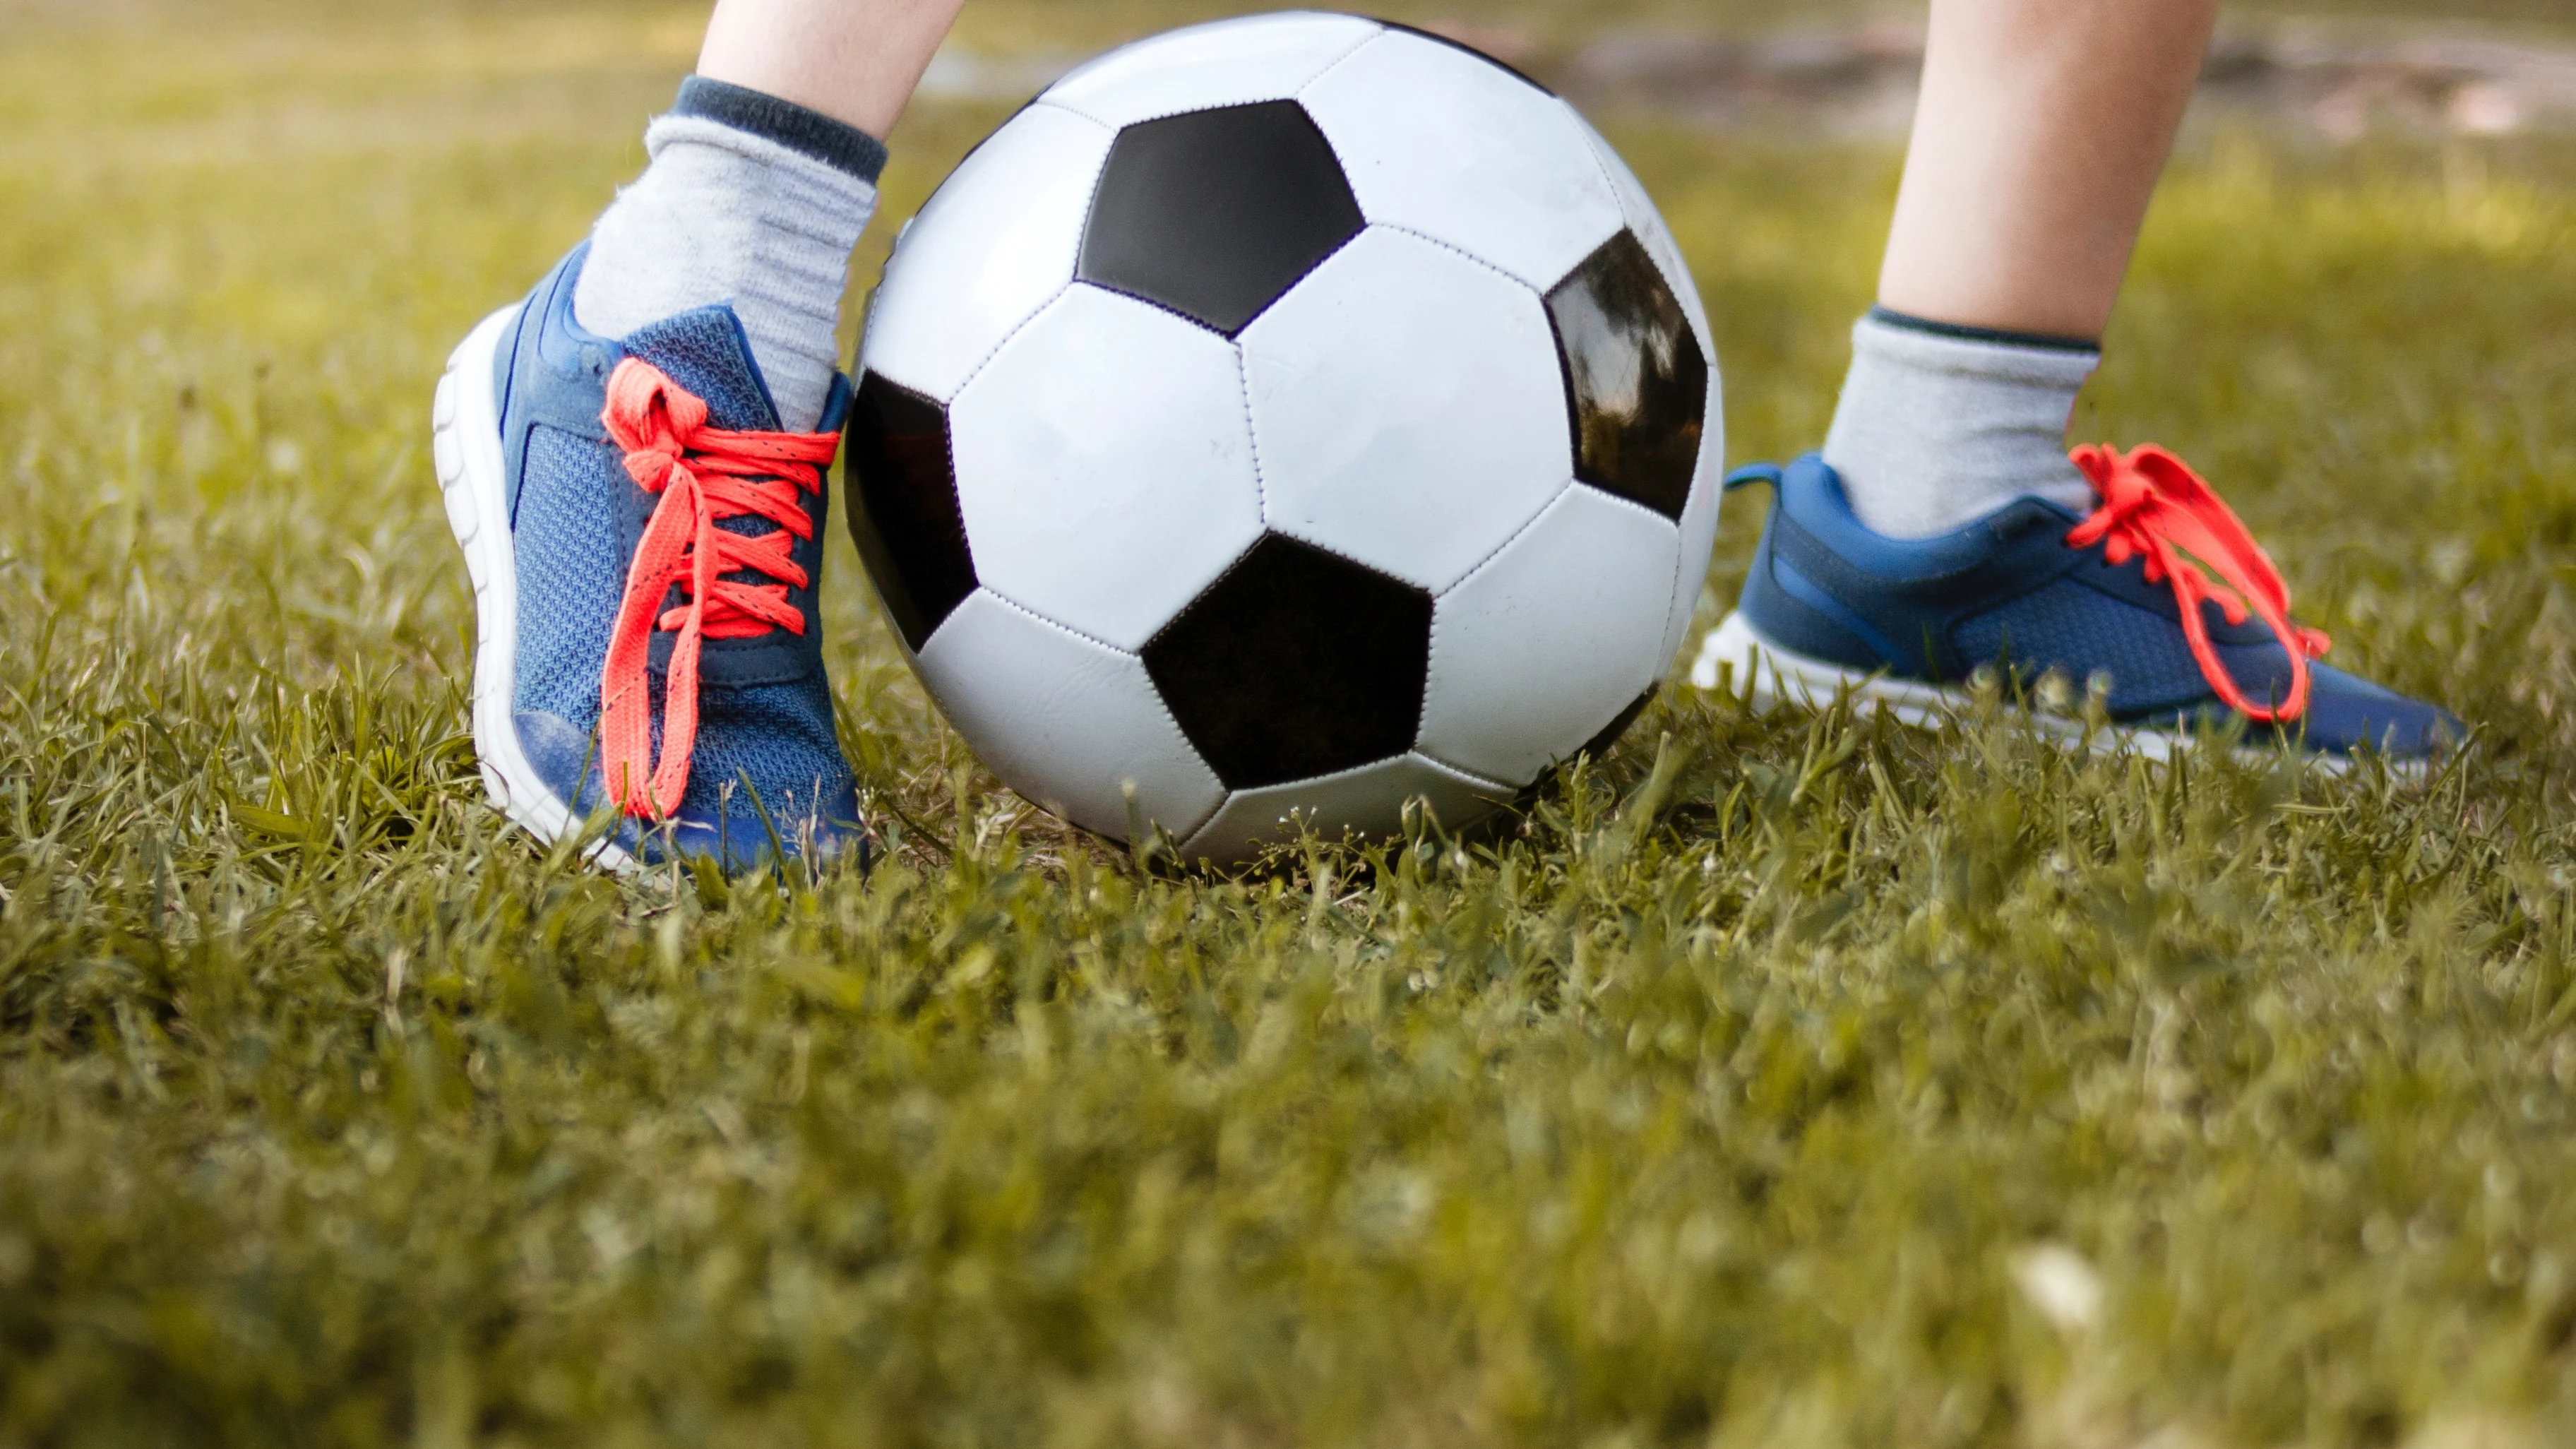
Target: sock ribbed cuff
x=837, y=144
x=2036, y=341
x=1972, y=360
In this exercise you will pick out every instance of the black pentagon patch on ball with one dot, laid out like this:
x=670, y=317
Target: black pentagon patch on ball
x=904, y=514
x=1216, y=214
x=1298, y=663
x=1635, y=375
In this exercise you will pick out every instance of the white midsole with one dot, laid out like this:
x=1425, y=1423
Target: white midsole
x=1738, y=659
x=466, y=446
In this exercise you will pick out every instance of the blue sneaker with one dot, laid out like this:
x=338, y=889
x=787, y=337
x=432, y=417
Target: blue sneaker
x=646, y=552
x=2111, y=612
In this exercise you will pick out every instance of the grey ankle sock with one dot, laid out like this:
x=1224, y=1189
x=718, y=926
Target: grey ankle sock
x=1942, y=425
x=750, y=201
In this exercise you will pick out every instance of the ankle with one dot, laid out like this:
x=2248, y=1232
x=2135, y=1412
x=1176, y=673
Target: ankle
x=1940, y=424
x=750, y=202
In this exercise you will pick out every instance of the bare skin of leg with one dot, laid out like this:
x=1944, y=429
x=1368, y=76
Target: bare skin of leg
x=2043, y=127
x=853, y=60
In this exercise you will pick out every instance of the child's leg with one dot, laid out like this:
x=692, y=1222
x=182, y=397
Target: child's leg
x=856, y=61
x=2042, y=130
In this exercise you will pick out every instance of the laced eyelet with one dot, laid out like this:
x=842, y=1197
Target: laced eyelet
x=703, y=476
x=2155, y=507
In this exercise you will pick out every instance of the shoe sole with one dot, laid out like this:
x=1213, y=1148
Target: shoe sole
x=466, y=444
x=1737, y=656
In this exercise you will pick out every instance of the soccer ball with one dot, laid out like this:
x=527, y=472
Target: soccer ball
x=1282, y=420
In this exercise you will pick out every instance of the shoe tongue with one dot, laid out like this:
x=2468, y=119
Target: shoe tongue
x=705, y=351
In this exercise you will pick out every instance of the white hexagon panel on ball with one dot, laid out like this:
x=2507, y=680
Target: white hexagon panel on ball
x=1067, y=722
x=1104, y=466
x=1441, y=141
x=1408, y=408
x=1542, y=647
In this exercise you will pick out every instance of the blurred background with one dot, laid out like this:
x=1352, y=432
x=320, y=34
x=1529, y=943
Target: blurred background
x=237, y=241
x=2487, y=66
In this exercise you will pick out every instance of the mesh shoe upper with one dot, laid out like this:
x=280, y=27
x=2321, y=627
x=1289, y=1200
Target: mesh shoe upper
x=2008, y=592
x=766, y=738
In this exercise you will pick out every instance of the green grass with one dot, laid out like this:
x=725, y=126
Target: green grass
x=1722, y=1104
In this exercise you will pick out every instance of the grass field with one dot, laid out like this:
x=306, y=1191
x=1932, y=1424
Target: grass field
x=1787, y=1082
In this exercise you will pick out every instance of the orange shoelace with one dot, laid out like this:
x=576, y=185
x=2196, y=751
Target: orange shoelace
x=704, y=475
x=2154, y=506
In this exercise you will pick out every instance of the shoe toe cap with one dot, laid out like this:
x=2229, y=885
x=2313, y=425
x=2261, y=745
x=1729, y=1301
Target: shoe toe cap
x=738, y=818
x=2347, y=713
